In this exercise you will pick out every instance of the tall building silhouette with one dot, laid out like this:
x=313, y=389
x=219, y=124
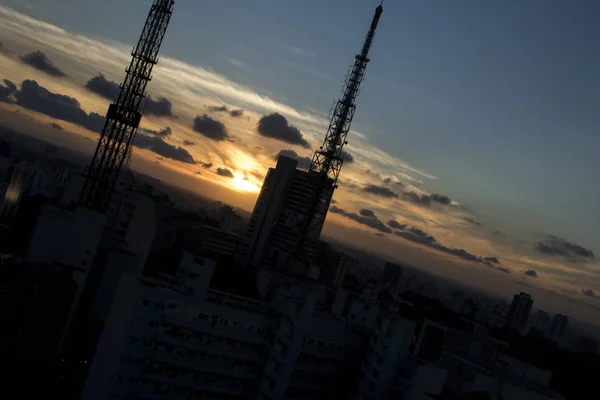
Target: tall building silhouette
x=273, y=232
x=124, y=115
x=290, y=212
x=519, y=311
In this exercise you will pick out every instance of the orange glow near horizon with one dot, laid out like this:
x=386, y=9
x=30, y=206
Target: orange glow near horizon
x=240, y=183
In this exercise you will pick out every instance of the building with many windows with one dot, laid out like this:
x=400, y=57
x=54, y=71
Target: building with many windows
x=175, y=336
x=519, y=311
x=275, y=232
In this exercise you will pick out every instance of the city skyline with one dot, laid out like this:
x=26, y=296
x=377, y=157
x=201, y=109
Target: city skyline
x=228, y=117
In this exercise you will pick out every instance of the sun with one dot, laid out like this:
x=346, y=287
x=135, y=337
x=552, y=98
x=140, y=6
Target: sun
x=239, y=182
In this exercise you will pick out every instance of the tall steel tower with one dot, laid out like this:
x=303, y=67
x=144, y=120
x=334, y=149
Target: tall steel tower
x=327, y=161
x=124, y=115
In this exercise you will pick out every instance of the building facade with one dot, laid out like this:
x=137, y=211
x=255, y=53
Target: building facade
x=275, y=232
x=519, y=311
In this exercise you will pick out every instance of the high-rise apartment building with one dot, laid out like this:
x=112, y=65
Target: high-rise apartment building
x=175, y=337
x=275, y=230
x=519, y=311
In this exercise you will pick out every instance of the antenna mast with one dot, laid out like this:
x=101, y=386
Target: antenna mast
x=327, y=161
x=124, y=116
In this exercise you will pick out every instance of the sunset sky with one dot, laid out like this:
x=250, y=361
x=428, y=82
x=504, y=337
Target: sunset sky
x=477, y=126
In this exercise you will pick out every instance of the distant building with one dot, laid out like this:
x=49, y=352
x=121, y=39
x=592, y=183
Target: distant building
x=274, y=233
x=471, y=342
x=391, y=275
x=519, y=311
x=559, y=327
x=587, y=345
x=333, y=265
x=542, y=322
x=12, y=188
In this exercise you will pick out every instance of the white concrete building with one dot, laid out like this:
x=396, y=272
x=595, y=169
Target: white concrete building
x=177, y=338
x=387, y=348
x=131, y=220
x=66, y=236
x=428, y=380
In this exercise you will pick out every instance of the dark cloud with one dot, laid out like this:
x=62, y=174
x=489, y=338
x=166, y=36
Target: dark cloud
x=347, y=157
x=381, y=191
x=157, y=145
x=10, y=85
x=189, y=143
x=56, y=126
x=365, y=212
x=555, y=246
x=236, y=113
x=160, y=108
x=162, y=133
x=303, y=162
x=211, y=128
x=100, y=85
x=198, y=173
x=206, y=165
x=417, y=235
x=275, y=126
x=337, y=210
x=426, y=199
x=418, y=232
x=531, y=272
x=589, y=293
x=372, y=222
x=472, y=221
x=445, y=200
x=8, y=91
x=224, y=172
x=39, y=61
x=37, y=98
x=503, y=269
x=413, y=197
x=380, y=234
x=392, y=223
x=492, y=260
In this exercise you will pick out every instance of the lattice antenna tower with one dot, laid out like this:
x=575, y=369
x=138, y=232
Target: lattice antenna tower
x=327, y=161
x=124, y=115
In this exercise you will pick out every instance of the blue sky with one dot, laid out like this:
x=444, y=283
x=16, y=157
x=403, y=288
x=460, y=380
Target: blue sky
x=496, y=99
x=495, y=103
